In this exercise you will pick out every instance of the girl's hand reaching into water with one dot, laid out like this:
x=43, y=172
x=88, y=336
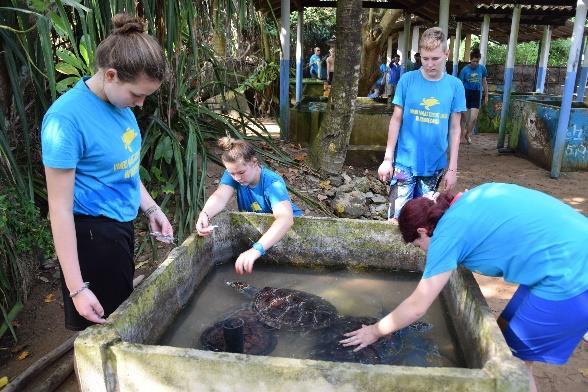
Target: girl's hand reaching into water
x=244, y=263
x=362, y=337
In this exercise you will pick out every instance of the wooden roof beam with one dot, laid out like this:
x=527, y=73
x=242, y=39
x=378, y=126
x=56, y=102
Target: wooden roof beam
x=389, y=4
x=507, y=20
x=569, y=3
x=530, y=12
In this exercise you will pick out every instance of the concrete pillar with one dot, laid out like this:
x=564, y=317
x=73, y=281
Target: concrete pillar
x=299, y=56
x=415, y=41
x=284, y=69
x=389, y=50
x=456, y=48
x=484, y=39
x=451, y=41
x=583, y=75
x=444, y=16
x=405, y=44
x=467, y=46
x=508, y=72
x=543, y=57
x=568, y=92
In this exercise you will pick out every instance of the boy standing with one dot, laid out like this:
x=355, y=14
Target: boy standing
x=473, y=77
x=315, y=64
x=424, y=125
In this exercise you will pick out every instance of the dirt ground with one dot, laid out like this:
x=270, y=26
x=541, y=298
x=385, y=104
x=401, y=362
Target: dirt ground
x=40, y=325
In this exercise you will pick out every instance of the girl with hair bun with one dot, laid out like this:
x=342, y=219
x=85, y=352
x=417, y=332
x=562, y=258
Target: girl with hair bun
x=523, y=235
x=258, y=190
x=91, y=146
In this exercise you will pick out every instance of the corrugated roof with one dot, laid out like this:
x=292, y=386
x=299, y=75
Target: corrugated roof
x=535, y=14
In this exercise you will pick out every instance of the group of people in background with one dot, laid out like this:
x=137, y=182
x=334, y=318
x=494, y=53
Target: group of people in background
x=315, y=65
x=91, y=151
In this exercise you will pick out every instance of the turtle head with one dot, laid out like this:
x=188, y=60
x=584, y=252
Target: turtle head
x=239, y=286
x=244, y=288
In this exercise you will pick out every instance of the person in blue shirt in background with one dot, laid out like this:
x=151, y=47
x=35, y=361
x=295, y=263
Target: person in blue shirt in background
x=474, y=81
x=258, y=190
x=501, y=230
x=425, y=123
x=91, y=146
x=394, y=75
x=315, y=64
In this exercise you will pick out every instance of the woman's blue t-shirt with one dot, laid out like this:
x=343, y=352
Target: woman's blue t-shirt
x=103, y=144
x=270, y=190
x=523, y=235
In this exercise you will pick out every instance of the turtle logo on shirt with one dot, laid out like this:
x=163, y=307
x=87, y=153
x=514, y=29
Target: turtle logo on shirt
x=255, y=207
x=128, y=138
x=428, y=102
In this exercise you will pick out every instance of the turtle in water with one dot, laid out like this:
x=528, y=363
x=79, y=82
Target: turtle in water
x=406, y=346
x=329, y=348
x=288, y=309
x=257, y=338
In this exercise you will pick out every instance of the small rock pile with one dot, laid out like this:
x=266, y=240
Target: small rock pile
x=354, y=196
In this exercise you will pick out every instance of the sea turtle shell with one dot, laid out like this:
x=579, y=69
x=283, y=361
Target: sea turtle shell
x=329, y=348
x=406, y=346
x=257, y=338
x=292, y=310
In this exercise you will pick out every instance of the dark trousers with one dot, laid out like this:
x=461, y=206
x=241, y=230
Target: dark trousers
x=105, y=253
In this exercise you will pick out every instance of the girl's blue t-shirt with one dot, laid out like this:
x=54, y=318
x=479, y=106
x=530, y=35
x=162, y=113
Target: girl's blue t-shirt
x=472, y=77
x=270, y=190
x=427, y=106
x=523, y=235
x=103, y=144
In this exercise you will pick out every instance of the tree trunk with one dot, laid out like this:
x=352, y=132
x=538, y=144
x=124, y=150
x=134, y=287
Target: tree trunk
x=329, y=148
x=374, y=42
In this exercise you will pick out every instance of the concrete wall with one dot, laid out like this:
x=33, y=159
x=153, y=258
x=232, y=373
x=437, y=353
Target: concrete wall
x=534, y=126
x=120, y=354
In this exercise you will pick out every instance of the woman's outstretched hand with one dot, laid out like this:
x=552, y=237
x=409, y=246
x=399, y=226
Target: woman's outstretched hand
x=362, y=337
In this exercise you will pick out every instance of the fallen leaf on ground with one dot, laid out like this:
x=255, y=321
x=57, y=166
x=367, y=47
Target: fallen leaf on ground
x=321, y=197
x=3, y=381
x=300, y=157
x=584, y=372
x=49, y=298
x=22, y=355
x=44, y=279
x=141, y=264
x=326, y=184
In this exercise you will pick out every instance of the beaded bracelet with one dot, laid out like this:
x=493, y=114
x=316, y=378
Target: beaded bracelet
x=84, y=287
x=207, y=217
x=149, y=211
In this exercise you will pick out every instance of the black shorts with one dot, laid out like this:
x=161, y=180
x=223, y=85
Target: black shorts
x=330, y=78
x=105, y=253
x=473, y=98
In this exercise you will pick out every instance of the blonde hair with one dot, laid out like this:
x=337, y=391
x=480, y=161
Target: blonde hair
x=235, y=150
x=432, y=39
x=130, y=51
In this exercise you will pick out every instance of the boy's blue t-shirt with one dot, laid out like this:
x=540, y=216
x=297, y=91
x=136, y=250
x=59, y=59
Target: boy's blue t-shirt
x=103, y=144
x=394, y=74
x=523, y=235
x=270, y=190
x=427, y=106
x=314, y=61
x=472, y=77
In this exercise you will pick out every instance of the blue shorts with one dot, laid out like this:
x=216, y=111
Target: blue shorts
x=543, y=330
x=405, y=186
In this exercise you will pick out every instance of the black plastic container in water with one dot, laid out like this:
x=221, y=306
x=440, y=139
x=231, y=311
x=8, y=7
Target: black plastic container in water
x=233, y=333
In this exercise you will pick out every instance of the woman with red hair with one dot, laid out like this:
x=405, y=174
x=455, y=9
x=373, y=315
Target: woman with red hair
x=523, y=235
